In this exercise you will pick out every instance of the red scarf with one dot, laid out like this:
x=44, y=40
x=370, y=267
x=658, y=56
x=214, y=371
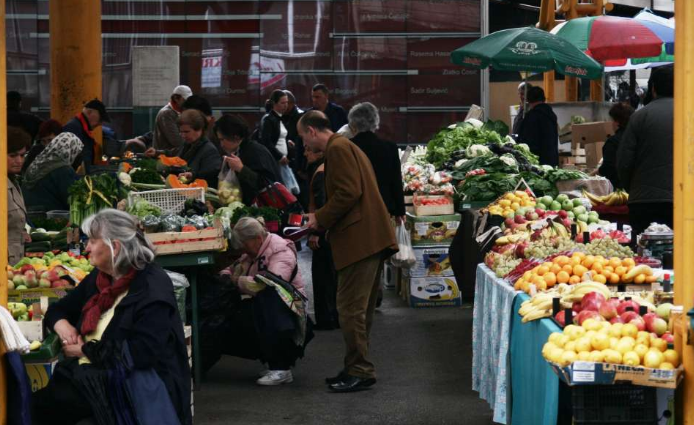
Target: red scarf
x=103, y=301
x=85, y=124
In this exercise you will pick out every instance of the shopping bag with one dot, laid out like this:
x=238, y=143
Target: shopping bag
x=275, y=195
x=405, y=257
x=289, y=180
x=229, y=187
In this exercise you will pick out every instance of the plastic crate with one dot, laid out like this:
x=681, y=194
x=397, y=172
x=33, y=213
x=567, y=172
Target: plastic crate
x=170, y=201
x=614, y=404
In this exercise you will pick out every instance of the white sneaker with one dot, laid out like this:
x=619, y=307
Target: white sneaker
x=276, y=377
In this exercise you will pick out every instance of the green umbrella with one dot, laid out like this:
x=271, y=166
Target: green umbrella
x=527, y=50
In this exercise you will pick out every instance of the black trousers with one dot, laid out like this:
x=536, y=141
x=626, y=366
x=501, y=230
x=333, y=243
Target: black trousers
x=324, y=286
x=641, y=215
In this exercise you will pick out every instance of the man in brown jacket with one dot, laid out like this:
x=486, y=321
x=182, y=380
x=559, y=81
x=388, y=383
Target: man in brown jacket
x=361, y=237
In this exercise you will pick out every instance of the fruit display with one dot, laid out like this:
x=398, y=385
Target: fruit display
x=604, y=342
x=616, y=198
x=19, y=311
x=423, y=178
x=50, y=270
x=574, y=208
x=513, y=204
x=540, y=305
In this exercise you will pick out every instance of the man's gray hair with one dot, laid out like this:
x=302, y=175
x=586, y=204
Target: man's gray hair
x=114, y=225
x=246, y=229
x=364, y=117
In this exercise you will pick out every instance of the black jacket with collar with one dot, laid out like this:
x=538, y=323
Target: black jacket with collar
x=270, y=133
x=148, y=319
x=540, y=131
x=203, y=158
x=386, y=164
x=259, y=169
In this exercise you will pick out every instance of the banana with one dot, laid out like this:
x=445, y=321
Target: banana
x=537, y=314
x=640, y=269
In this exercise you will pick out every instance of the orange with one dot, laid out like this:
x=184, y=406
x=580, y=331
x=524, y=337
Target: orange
x=537, y=280
x=562, y=260
x=550, y=279
x=600, y=258
x=609, y=269
x=579, y=270
x=541, y=286
x=568, y=268
x=547, y=264
x=556, y=268
x=563, y=277
x=639, y=279
x=628, y=262
x=519, y=284
x=600, y=278
x=621, y=270
x=580, y=255
x=575, y=261
x=597, y=267
x=534, y=270
x=614, y=279
x=615, y=262
x=574, y=280
x=542, y=270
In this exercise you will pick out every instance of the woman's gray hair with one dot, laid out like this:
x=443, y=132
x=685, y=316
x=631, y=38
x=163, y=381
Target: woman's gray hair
x=109, y=225
x=364, y=117
x=246, y=229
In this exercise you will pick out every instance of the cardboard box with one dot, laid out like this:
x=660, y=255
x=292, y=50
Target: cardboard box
x=31, y=296
x=594, y=154
x=434, y=292
x=32, y=330
x=431, y=262
x=585, y=134
x=589, y=373
x=40, y=373
x=433, y=230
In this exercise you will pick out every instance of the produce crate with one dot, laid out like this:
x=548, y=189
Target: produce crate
x=614, y=404
x=33, y=295
x=166, y=243
x=431, y=262
x=589, y=373
x=434, y=230
x=39, y=364
x=50, y=349
x=170, y=201
x=429, y=210
x=434, y=292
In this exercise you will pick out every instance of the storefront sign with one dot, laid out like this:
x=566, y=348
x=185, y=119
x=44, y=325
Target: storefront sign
x=155, y=74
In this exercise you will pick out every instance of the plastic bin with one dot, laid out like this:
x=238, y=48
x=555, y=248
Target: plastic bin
x=614, y=404
x=58, y=214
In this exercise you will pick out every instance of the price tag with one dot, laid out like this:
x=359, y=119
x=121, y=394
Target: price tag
x=204, y=260
x=583, y=376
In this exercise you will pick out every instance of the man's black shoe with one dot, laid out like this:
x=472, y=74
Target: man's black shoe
x=351, y=384
x=335, y=379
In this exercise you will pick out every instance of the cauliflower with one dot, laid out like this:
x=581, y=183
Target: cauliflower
x=475, y=122
x=475, y=151
x=125, y=179
x=510, y=140
x=509, y=160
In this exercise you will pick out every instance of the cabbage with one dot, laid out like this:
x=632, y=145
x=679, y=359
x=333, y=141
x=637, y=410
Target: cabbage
x=509, y=160
x=477, y=150
x=475, y=122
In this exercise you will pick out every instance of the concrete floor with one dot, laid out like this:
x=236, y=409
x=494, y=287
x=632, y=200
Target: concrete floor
x=422, y=358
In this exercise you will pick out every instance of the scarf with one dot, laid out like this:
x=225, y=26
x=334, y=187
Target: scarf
x=101, y=302
x=85, y=125
x=60, y=152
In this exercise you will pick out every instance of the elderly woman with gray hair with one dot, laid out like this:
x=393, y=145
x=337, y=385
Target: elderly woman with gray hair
x=120, y=322
x=269, y=324
x=363, y=122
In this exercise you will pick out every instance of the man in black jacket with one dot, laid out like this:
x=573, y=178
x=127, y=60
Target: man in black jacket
x=320, y=96
x=18, y=118
x=539, y=129
x=92, y=115
x=384, y=157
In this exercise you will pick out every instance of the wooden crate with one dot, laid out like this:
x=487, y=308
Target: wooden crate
x=167, y=243
x=429, y=210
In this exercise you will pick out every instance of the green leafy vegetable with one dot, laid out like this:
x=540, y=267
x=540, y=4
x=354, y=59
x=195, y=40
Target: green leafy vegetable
x=146, y=176
x=449, y=140
x=141, y=208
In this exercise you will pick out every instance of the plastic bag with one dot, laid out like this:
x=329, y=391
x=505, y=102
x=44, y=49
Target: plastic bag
x=405, y=257
x=289, y=180
x=180, y=284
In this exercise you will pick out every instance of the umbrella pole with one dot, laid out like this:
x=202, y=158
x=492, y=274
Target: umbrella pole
x=525, y=96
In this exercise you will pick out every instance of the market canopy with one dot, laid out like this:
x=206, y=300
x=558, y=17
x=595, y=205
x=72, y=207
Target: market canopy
x=527, y=49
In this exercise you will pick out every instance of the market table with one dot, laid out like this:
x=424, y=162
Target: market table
x=491, y=339
x=190, y=261
x=508, y=369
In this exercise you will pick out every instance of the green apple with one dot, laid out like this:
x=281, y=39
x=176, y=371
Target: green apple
x=582, y=217
x=577, y=202
x=546, y=200
x=570, y=215
x=541, y=206
x=593, y=219
x=593, y=214
x=562, y=198
x=579, y=210
x=567, y=205
x=556, y=206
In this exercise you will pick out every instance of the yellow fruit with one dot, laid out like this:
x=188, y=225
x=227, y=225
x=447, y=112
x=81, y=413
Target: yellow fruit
x=630, y=358
x=597, y=356
x=562, y=260
x=597, y=267
x=550, y=279
x=600, y=342
x=579, y=270
x=590, y=334
x=628, y=263
x=574, y=332
x=562, y=341
x=505, y=203
x=555, y=268
x=672, y=357
x=563, y=277
x=613, y=342
x=547, y=348
x=570, y=346
x=666, y=366
x=542, y=270
x=659, y=344
x=588, y=261
x=616, y=330
x=630, y=330
x=614, y=279
x=592, y=325
x=553, y=337
x=641, y=350
x=583, y=344
x=573, y=280
x=600, y=278
x=568, y=357
x=653, y=359
x=639, y=279
x=624, y=346
x=555, y=355
x=515, y=206
x=613, y=356
x=621, y=270
x=584, y=356
x=568, y=268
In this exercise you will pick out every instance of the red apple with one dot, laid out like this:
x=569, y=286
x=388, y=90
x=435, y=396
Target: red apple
x=44, y=283
x=625, y=304
x=509, y=222
x=667, y=336
x=638, y=321
x=616, y=319
x=648, y=319
x=560, y=317
x=576, y=307
x=592, y=301
x=587, y=314
x=563, y=214
x=25, y=268
x=519, y=219
x=53, y=275
x=60, y=283
x=628, y=316
x=607, y=310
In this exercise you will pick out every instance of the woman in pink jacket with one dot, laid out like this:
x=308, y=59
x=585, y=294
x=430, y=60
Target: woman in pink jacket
x=278, y=331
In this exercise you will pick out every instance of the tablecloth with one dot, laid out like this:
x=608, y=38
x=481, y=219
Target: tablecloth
x=491, y=339
x=535, y=387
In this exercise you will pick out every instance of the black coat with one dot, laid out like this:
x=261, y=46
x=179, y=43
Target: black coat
x=270, y=133
x=75, y=127
x=608, y=169
x=148, y=319
x=336, y=114
x=540, y=131
x=259, y=169
x=297, y=160
x=24, y=120
x=386, y=164
x=203, y=158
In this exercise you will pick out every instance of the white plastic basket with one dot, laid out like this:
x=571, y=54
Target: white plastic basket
x=170, y=201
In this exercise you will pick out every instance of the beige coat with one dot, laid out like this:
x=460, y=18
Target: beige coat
x=16, y=221
x=357, y=220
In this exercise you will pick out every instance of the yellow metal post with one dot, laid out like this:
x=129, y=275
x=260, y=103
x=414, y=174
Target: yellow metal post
x=75, y=42
x=596, y=91
x=571, y=88
x=3, y=206
x=683, y=188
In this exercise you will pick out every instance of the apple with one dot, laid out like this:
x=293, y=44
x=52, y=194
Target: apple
x=520, y=219
x=10, y=285
x=31, y=280
x=607, y=310
x=625, y=304
x=20, y=287
x=659, y=326
x=579, y=210
x=567, y=223
x=668, y=337
x=576, y=307
x=540, y=212
x=546, y=200
x=562, y=198
x=663, y=310
x=567, y=205
x=25, y=268
x=582, y=217
x=616, y=319
x=563, y=214
x=509, y=222
x=628, y=316
x=44, y=283
x=18, y=280
x=639, y=323
x=577, y=202
x=520, y=249
x=571, y=215
x=648, y=318
x=556, y=206
x=61, y=271
x=585, y=315
x=10, y=275
x=592, y=301
x=559, y=317
x=60, y=283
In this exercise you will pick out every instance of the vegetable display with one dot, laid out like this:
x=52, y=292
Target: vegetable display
x=92, y=194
